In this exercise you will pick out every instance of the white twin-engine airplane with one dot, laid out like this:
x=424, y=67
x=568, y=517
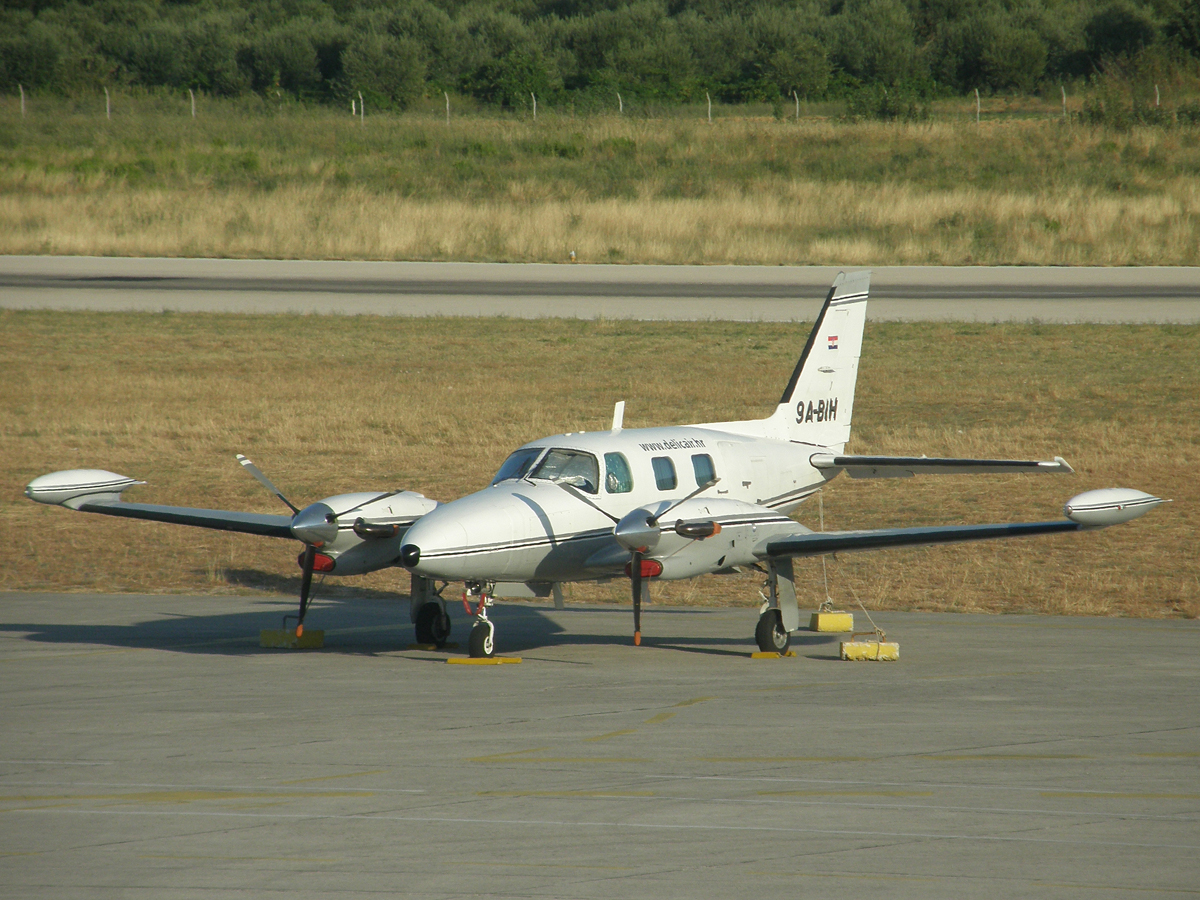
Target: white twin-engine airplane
x=649, y=503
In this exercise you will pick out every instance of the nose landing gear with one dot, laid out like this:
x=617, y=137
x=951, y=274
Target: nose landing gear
x=481, y=644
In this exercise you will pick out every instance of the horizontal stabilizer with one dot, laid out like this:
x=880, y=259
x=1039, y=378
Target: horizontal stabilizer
x=908, y=466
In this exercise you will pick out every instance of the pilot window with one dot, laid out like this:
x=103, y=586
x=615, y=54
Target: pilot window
x=517, y=464
x=573, y=467
x=702, y=465
x=617, y=477
x=664, y=473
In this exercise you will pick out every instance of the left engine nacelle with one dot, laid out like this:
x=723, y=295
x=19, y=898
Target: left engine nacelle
x=370, y=530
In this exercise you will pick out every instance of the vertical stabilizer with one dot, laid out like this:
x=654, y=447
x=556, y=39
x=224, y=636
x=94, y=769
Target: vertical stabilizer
x=818, y=401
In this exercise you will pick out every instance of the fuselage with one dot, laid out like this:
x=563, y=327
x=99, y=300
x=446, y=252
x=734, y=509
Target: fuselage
x=526, y=527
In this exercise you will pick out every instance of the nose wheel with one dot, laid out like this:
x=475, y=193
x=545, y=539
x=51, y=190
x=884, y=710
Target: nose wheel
x=482, y=642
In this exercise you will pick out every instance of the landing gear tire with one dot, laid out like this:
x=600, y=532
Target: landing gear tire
x=481, y=644
x=770, y=633
x=432, y=625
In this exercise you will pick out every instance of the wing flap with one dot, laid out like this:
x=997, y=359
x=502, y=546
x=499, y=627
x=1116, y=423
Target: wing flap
x=908, y=466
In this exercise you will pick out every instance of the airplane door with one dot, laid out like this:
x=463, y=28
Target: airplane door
x=728, y=468
x=759, y=478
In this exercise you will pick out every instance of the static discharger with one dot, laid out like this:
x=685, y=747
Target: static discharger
x=482, y=660
x=878, y=649
x=281, y=639
x=759, y=654
x=831, y=621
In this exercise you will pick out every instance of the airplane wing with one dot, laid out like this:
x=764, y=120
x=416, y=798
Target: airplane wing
x=908, y=466
x=96, y=491
x=818, y=543
x=219, y=519
x=1092, y=509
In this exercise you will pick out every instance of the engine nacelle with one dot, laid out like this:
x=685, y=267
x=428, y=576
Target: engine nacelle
x=370, y=529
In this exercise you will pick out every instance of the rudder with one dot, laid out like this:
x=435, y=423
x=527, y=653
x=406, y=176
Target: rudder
x=818, y=402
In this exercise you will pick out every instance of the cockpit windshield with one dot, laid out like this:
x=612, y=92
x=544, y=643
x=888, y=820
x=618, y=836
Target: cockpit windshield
x=573, y=467
x=517, y=464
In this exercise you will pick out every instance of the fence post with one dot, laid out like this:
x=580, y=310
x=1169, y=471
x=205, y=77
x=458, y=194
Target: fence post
x=709, y=107
x=193, y=98
x=1156, y=96
x=620, y=104
x=797, y=96
x=446, y=94
x=531, y=94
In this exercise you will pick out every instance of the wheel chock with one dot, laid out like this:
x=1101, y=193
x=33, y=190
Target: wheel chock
x=482, y=660
x=759, y=654
x=878, y=649
x=450, y=646
x=831, y=621
x=280, y=639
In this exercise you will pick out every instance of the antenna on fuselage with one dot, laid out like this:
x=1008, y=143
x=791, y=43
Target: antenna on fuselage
x=618, y=416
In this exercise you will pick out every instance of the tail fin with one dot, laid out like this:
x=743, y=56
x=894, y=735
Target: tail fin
x=819, y=399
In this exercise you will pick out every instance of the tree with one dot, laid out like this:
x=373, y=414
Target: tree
x=1119, y=30
x=389, y=68
x=876, y=43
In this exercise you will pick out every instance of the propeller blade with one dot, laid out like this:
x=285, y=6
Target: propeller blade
x=310, y=559
x=574, y=492
x=265, y=482
x=635, y=578
x=653, y=520
x=338, y=515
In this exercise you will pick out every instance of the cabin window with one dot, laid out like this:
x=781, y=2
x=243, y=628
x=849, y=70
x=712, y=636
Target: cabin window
x=664, y=473
x=517, y=464
x=617, y=477
x=573, y=467
x=702, y=465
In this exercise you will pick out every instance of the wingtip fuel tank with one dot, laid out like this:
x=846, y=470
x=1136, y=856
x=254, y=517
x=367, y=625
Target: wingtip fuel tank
x=1109, y=506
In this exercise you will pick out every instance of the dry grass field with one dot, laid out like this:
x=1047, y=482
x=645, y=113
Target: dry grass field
x=1023, y=187
x=330, y=404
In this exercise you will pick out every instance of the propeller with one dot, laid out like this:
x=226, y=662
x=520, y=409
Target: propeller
x=266, y=482
x=316, y=525
x=638, y=531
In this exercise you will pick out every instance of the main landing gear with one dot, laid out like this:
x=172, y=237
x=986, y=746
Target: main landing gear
x=780, y=614
x=429, y=617
x=433, y=624
x=482, y=642
x=770, y=635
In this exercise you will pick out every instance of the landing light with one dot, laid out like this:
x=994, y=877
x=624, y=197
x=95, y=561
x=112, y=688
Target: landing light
x=651, y=568
x=321, y=562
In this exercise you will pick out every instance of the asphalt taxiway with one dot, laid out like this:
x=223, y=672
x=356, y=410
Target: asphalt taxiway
x=743, y=293
x=150, y=748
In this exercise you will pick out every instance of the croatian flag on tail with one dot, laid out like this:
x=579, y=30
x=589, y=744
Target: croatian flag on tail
x=833, y=342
